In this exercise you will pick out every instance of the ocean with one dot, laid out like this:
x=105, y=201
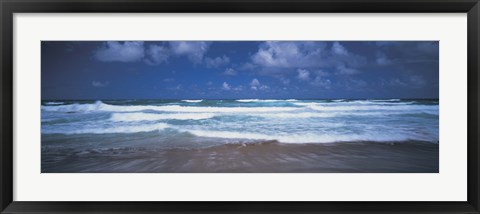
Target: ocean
x=245, y=135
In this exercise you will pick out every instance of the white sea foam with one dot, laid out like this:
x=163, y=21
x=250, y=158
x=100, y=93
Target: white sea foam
x=323, y=107
x=268, y=100
x=389, y=100
x=192, y=101
x=247, y=100
x=301, y=138
x=308, y=122
x=305, y=103
x=99, y=106
x=371, y=107
x=296, y=115
x=129, y=117
x=54, y=103
x=108, y=130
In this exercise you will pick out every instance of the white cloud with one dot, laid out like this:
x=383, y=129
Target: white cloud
x=382, y=59
x=321, y=73
x=256, y=85
x=279, y=59
x=230, y=72
x=264, y=87
x=343, y=70
x=99, y=84
x=217, y=62
x=303, y=75
x=284, y=80
x=238, y=88
x=226, y=86
x=120, y=52
x=337, y=48
x=288, y=54
x=255, y=82
x=157, y=54
x=193, y=50
x=168, y=80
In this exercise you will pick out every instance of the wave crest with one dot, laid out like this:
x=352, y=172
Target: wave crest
x=129, y=117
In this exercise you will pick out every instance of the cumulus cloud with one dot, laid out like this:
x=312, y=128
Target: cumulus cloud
x=280, y=59
x=157, y=54
x=226, y=86
x=318, y=81
x=303, y=75
x=193, y=50
x=230, y=72
x=238, y=88
x=256, y=85
x=99, y=84
x=120, y=52
x=217, y=62
x=337, y=48
x=343, y=70
x=288, y=54
x=382, y=59
x=321, y=73
x=284, y=80
x=255, y=82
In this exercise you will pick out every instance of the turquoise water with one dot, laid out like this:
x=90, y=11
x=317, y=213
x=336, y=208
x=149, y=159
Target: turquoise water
x=240, y=136
x=286, y=121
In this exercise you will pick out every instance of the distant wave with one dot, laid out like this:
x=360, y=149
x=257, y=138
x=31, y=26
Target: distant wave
x=54, y=103
x=322, y=107
x=296, y=115
x=153, y=117
x=192, y=101
x=374, y=107
x=99, y=106
x=261, y=100
x=389, y=100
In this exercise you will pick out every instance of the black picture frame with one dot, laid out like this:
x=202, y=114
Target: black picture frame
x=9, y=7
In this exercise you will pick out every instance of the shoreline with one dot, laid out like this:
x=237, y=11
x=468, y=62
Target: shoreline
x=261, y=157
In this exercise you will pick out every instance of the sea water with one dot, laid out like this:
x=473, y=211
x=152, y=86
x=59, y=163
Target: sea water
x=287, y=121
x=136, y=128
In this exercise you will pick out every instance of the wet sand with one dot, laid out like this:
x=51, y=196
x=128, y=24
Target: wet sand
x=265, y=157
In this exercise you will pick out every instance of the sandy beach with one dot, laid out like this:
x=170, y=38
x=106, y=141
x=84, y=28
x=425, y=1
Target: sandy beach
x=265, y=157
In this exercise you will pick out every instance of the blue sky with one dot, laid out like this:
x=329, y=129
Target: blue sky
x=239, y=69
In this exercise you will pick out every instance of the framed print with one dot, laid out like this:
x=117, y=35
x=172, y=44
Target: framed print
x=262, y=107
